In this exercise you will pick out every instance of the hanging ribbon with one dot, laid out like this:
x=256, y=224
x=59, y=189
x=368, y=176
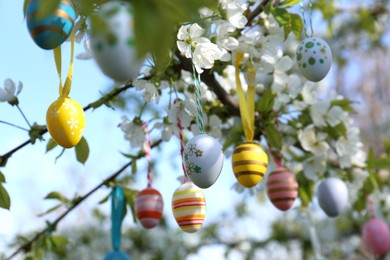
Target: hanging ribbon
x=310, y=18
x=65, y=89
x=246, y=104
x=198, y=96
x=147, y=149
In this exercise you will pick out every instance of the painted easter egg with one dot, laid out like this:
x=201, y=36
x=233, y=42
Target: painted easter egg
x=189, y=207
x=249, y=163
x=314, y=58
x=376, y=236
x=332, y=196
x=203, y=159
x=113, y=44
x=282, y=188
x=116, y=255
x=149, y=207
x=52, y=30
x=65, y=121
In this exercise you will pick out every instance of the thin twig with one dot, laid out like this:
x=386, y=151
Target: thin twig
x=260, y=8
x=76, y=202
x=10, y=124
x=24, y=116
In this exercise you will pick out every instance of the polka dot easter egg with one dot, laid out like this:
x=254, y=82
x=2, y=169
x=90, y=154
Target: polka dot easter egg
x=189, y=207
x=113, y=44
x=314, y=58
x=376, y=236
x=149, y=207
x=65, y=121
x=282, y=188
x=332, y=196
x=203, y=159
x=249, y=163
x=52, y=30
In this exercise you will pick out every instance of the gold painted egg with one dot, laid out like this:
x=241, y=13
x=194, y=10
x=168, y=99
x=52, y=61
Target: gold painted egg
x=65, y=121
x=249, y=163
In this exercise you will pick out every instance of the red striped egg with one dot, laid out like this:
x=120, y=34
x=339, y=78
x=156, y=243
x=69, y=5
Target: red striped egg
x=376, y=235
x=149, y=207
x=282, y=188
x=189, y=207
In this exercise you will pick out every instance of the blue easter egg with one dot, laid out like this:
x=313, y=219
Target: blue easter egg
x=116, y=255
x=52, y=30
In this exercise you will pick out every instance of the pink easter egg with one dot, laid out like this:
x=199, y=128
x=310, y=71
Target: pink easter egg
x=149, y=207
x=282, y=188
x=376, y=235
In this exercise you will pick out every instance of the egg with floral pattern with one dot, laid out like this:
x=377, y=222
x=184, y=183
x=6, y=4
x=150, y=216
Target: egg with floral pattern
x=52, y=30
x=113, y=42
x=65, y=121
x=203, y=158
x=314, y=58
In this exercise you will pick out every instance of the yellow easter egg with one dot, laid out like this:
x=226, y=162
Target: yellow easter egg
x=249, y=163
x=65, y=121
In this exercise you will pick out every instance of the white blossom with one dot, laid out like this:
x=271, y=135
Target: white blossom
x=87, y=54
x=314, y=166
x=234, y=11
x=312, y=141
x=205, y=54
x=150, y=91
x=9, y=92
x=133, y=132
x=322, y=114
x=349, y=149
x=188, y=35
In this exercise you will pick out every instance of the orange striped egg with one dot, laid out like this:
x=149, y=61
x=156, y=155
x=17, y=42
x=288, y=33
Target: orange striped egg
x=249, y=163
x=65, y=121
x=282, y=188
x=149, y=207
x=189, y=207
x=52, y=30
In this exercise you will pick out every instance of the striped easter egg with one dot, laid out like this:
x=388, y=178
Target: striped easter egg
x=249, y=163
x=189, y=207
x=282, y=188
x=149, y=207
x=53, y=29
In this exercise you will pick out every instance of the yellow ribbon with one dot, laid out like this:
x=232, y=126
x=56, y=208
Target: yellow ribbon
x=65, y=89
x=246, y=104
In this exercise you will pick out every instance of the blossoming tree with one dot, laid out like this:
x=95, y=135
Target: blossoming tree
x=197, y=53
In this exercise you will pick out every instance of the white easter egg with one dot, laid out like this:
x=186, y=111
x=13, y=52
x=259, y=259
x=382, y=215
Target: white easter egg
x=203, y=159
x=113, y=42
x=332, y=196
x=314, y=58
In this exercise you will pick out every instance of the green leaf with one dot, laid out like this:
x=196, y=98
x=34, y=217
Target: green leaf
x=60, y=243
x=134, y=167
x=305, y=190
x=57, y=196
x=49, y=210
x=370, y=159
x=273, y=136
x=336, y=131
x=2, y=178
x=287, y=3
x=105, y=199
x=5, y=201
x=82, y=151
x=130, y=200
x=47, y=7
x=51, y=144
x=266, y=102
x=296, y=24
x=345, y=104
x=36, y=132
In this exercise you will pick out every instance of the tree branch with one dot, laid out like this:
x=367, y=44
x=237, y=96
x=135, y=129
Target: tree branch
x=76, y=202
x=260, y=8
x=109, y=96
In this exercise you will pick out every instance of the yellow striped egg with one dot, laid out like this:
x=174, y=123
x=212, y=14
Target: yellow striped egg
x=189, y=207
x=65, y=121
x=52, y=30
x=249, y=163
